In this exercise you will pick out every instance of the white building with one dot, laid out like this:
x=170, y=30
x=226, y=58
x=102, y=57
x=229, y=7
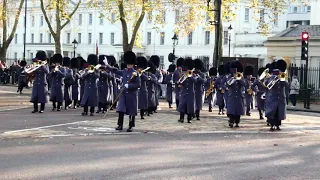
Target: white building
x=87, y=28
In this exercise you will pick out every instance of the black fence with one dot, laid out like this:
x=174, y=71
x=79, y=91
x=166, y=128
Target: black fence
x=309, y=79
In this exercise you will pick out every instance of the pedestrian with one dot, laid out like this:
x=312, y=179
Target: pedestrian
x=68, y=82
x=235, y=102
x=56, y=77
x=294, y=90
x=39, y=89
x=199, y=86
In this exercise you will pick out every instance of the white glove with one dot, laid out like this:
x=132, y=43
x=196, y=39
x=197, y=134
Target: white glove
x=126, y=86
x=171, y=82
x=105, y=61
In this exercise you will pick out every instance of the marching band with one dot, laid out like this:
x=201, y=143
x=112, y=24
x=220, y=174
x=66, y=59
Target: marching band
x=98, y=82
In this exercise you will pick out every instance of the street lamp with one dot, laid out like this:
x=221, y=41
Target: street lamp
x=172, y=56
x=229, y=39
x=75, y=43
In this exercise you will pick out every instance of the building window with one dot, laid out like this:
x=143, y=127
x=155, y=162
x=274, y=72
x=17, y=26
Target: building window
x=90, y=19
x=49, y=38
x=161, y=62
x=68, y=38
x=80, y=19
x=177, y=18
x=190, y=38
x=276, y=19
x=32, y=21
x=32, y=38
x=101, y=21
x=41, y=20
x=31, y=54
x=207, y=37
x=246, y=15
x=261, y=15
x=79, y=38
x=225, y=37
x=113, y=17
x=16, y=39
x=164, y=16
x=41, y=38
x=150, y=17
x=112, y=38
x=308, y=8
x=295, y=9
x=148, y=38
x=78, y=55
x=162, y=34
x=100, y=38
x=89, y=38
x=50, y=18
x=15, y=55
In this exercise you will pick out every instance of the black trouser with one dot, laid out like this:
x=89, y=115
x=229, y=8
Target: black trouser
x=177, y=103
x=234, y=118
x=275, y=120
x=35, y=106
x=131, y=120
x=54, y=104
x=221, y=108
x=86, y=107
x=142, y=111
x=75, y=102
x=293, y=99
x=102, y=106
x=197, y=113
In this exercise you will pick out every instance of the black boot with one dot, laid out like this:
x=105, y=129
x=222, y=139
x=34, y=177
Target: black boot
x=142, y=113
x=278, y=128
x=189, y=118
x=119, y=128
x=210, y=108
x=120, y=122
x=181, y=118
x=198, y=115
x=260, y=113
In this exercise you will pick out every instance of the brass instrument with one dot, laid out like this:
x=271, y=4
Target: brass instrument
x=263, y=96
x=222, y=91
x=238, y=76
x=265, y=74
x=250, y=91
x=34, y=66
x=179, y=86
x=211, y=88
x=140, y=71
x=282, y=76
x=189, y=73
x=90, y=69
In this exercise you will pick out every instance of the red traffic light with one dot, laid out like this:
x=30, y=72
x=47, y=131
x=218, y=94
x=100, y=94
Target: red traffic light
x=305, y=36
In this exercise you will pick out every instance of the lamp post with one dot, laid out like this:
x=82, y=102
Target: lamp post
x=229, y=39
x=25, y=30
x=75, y=43
x=172, y=56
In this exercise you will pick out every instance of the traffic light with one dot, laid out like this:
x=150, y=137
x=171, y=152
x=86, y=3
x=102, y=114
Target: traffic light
x=304, y=46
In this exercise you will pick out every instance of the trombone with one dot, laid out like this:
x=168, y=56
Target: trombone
x=34, y=66
x=189, y=73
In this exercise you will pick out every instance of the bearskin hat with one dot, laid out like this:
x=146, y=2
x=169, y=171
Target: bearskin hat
x=227, y=68
x=66, y=61
x=92, y=59
x=238, y=65
x=129, y=57
x=198, y=64
x=281, y=65
x=101, y=59
x=260, y=71
x=272, y=66
x=180, y=62
x=152, y=68
x=221, y=70
x=213, y=71
x=155, y=60
x=188, y=63
x=123, y=66
x=57, y=58
x=116, y=66
x=172, y=68
x=248, y=70
x=111, y=60
x=23, y=63
x=142, y=62
x=42, y=56
x=81, y=62
x=75, y=63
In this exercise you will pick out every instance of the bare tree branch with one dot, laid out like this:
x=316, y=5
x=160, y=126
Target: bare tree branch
x=70, y=15
x=138, y=23
x=46, y=18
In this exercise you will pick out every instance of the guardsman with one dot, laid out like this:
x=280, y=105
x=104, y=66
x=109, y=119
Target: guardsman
x=235, y=103
x=103, y=86
x=22, y=77
x=187, y=96
x=227, y=75
x=57, y=75
x=199, y=86
x=83, y=65
x=39, y=89
x=156, y=61
x=260, y=89
x=68, y=81
x=176, y=76
x=276, y=105
x=270, y=68
x=210, y=86
x=151, y=86
x=170, y=85
x=128, y=100
x=90, y=94
x=113, y=90
x=248, y=72
x=75, y=65
x=142, y=63
x=221, y=89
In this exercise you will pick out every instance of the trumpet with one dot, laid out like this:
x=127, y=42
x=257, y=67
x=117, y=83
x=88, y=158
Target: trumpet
x=90, y=69
x=238, y=76
x=265, y=74
x=34, y=66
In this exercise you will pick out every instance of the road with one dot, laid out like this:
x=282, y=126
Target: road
x=66, y=145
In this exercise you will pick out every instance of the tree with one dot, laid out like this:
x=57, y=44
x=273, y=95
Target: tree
x=60, y=8
x=9, y=7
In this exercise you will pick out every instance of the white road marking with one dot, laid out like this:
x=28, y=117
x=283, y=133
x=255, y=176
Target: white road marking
x=242, y=132
x=44, y=127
